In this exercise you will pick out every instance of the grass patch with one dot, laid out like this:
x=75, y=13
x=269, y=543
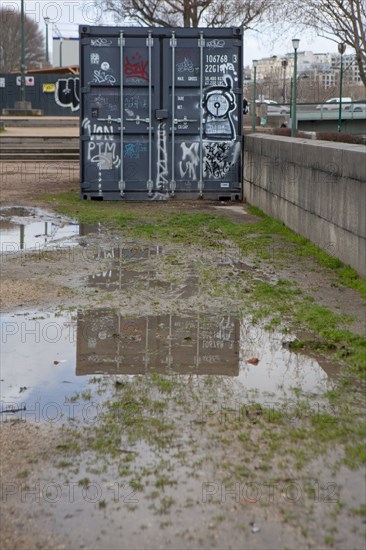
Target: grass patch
x=143, y=220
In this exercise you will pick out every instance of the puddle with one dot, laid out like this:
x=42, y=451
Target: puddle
x=141, y=281
x=48, y=360
x=279, y=370
x=33, y=228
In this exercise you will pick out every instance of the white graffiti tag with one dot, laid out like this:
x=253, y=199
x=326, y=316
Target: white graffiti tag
x=190, y=160
x=185, y=65
x=103, y=154
x=102, y=77
x=100, y=42
x=97, y=131
x=162, y=159
x=216, y=43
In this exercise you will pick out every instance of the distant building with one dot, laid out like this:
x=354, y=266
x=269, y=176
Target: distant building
x=65, y=51
x=323, y=66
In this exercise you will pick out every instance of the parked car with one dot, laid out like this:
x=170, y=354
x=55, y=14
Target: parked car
x=273, y=107
x=333, y=103
x=358, y=106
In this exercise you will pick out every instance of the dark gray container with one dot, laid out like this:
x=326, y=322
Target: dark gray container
x=160, y=113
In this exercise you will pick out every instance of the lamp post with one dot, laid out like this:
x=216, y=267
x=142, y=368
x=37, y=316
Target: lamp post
x=284, y=64
x=341, y=49
x=47, y=20
x=22, y=53
x=295, y=43
x=61, y=42
x=291, y=93
x=254, y=107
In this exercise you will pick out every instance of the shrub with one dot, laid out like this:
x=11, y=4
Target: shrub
x=343, y=137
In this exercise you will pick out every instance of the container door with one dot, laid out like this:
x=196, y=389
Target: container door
x=140, y=85
x=201, y=90
x=118, y=128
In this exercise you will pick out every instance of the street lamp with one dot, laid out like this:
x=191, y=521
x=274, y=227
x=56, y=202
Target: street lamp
x=254, y=109
x=284, y=64
x=22, y=54
x=341, y=49
x=295, y=43
x=47, y=20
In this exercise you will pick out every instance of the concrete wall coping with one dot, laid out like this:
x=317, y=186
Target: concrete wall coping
x=310, y=142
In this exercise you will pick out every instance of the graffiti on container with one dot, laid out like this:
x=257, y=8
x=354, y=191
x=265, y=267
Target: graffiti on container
x=218, y=103
x=218, y=158
x=102, y=77
x=216, y=162
x=185, y=65
x=95, y=130
x=67, y=93
x=133, y=151
x=136, y=67
x=132, y=102
x=162, y=156
x=94, y=58
x=190, y=161
x=100, y=42
x=225, y=67
x=216, y=43
x=104, y=154
x=100, y=100
x=109, y=102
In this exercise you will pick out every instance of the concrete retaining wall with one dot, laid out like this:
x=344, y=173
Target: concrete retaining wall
x=317, y=188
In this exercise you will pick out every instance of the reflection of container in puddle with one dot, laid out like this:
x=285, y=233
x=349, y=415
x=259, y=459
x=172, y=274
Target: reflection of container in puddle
x=110, y=343
x=120, y=279
x=125, y=253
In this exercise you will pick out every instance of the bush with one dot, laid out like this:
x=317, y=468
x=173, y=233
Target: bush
x=287, y=132
x=343, y=137
x=282, y=132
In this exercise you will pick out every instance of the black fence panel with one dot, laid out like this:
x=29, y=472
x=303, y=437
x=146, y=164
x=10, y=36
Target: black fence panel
x=161, y=113
x=56, y=94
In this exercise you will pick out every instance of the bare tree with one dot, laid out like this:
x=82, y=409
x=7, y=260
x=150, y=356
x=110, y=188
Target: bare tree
x=10, y=42
x=338, y=20
x=187, y=13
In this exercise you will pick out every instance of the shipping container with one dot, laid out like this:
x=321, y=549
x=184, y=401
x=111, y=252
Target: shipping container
x=160, y=113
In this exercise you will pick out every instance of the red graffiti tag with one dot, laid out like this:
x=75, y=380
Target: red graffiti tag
x=136, y=67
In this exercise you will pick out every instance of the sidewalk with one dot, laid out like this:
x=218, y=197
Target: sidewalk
x=27, y=125
x=40, y=131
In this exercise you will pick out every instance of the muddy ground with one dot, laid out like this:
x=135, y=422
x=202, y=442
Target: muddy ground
x=171, y=418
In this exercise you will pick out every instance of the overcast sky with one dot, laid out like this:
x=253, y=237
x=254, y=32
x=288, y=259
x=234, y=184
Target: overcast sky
x=68, y=14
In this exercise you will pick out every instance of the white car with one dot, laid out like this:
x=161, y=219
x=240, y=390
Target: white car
x=333, y=103
x=358, y=106
x=274, y=107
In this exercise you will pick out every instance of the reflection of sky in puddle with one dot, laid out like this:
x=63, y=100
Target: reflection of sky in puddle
x=53, y=357
x=278, y=369
x=27, y=228
x=38, y=353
